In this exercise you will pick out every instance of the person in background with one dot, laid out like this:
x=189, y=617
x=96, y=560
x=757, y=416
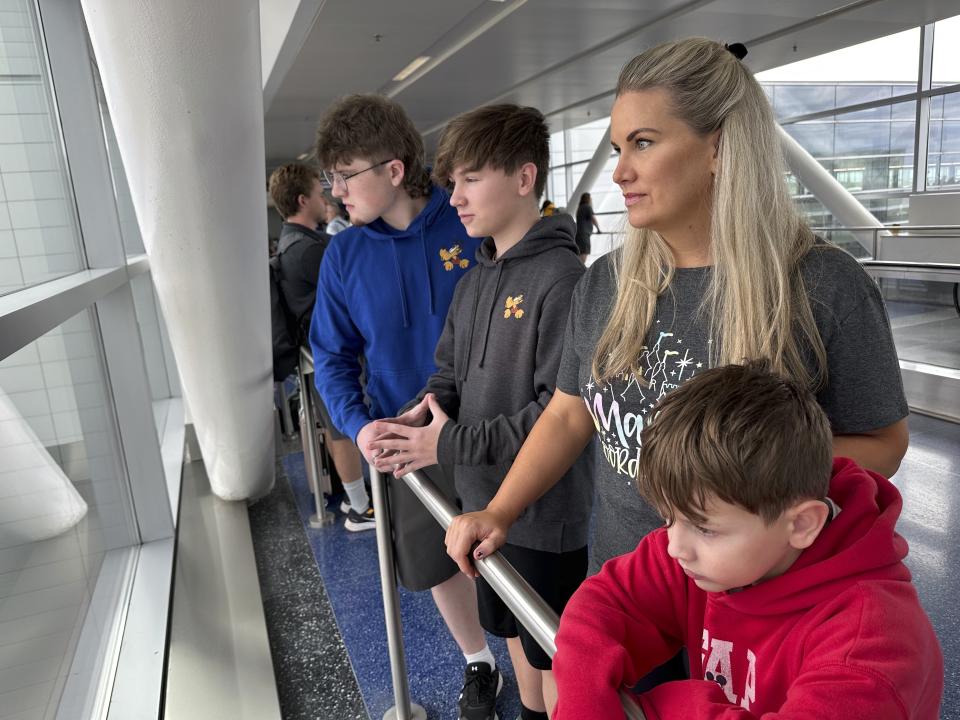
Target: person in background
x=335, y=217
x=586, y=222
x=547, y=209
x=297, y=194
x=385, y=286
x=779, y=569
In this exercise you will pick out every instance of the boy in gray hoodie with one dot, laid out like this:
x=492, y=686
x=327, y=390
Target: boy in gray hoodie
x=497, y=363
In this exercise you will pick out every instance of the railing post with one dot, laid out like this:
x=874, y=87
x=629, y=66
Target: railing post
x=403, y=708
x=311, y=445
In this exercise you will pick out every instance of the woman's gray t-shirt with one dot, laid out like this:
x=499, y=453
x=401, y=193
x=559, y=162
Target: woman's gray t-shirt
x=863, y=391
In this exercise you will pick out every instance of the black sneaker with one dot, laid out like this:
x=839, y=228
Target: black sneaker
x=478, y=699
x=357, y=522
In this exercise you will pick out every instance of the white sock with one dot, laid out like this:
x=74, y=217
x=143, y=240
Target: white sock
x=359, y=500
x=483, y=656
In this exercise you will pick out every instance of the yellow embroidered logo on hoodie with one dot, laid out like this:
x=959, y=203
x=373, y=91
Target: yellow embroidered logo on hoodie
x=451, y=258
x=513, y=307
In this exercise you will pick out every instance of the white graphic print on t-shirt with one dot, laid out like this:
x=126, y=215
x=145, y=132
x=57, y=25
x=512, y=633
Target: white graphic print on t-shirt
x=621, y=408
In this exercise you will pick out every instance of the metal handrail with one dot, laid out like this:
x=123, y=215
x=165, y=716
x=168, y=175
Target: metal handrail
x=877, y=233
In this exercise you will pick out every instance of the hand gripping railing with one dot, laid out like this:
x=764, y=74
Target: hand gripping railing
x=526, y=605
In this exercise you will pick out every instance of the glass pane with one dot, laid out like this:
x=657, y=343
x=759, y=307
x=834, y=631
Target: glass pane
x=584, y=139
x=925, y=321
x=943, y=145
x=63, y=505
x=869, y=71
x=38, y=230
x=816, y=137
x=946, y=52
x=129, y=227
x=557, y=156
x=576, y=172
x=558, y=186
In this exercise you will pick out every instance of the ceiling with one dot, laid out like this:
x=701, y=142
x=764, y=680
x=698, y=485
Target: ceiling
x=561, y=56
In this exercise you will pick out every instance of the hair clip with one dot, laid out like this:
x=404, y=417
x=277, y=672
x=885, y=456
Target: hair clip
x=739, y=50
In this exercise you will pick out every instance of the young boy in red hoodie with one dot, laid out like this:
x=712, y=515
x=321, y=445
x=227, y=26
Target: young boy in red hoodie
x=784, y=578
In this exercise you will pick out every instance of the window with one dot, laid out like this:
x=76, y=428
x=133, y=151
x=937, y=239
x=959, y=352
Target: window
x=38, y=238
x=63, y=504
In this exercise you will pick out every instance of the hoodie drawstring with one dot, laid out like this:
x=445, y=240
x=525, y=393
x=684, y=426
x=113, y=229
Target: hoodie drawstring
x=473, y=323
x=403, y=295
x=426, y=267
x=493, y=306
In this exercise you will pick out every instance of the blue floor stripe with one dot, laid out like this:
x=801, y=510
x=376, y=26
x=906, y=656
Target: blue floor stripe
x=350, y=572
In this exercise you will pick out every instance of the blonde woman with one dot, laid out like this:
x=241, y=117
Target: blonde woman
x=717, y=267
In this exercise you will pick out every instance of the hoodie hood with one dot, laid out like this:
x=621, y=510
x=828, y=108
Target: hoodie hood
x=859, y=544
x=436, y=203
x=549, y=233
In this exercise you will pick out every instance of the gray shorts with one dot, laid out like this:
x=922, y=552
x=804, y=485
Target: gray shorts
x=323, y=417
x=419, y=553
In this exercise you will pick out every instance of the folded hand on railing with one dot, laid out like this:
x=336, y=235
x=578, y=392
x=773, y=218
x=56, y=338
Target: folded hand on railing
x=404, y=444
x=485, y=527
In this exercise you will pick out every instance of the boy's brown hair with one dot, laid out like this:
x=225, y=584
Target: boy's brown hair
x=740, y=434
x=373, y=128
x=287, y=183
x=503, y=137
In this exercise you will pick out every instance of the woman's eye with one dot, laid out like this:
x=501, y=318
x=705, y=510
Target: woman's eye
x=703, y=531
x=642, y=144
x=616, y=150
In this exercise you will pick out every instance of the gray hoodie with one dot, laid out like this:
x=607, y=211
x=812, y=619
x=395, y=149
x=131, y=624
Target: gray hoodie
x=497, y=362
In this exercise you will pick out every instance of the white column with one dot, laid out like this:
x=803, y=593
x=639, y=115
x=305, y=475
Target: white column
x=835, y=197
x=182, y=81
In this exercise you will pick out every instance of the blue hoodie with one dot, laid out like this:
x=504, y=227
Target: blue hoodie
x=383, y=293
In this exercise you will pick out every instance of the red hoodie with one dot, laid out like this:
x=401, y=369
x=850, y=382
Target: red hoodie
x=841, y=634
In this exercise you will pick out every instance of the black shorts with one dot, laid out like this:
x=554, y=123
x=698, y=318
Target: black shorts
x=555, y=576
x=419, y=553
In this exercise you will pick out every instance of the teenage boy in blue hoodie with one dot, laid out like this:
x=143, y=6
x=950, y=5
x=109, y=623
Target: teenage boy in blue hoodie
x=497, y=363
x=384, y=289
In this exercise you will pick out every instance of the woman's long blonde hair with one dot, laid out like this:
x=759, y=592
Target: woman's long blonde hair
x=756, y=304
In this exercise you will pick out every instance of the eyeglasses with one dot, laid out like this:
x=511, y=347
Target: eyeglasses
x=332, y=178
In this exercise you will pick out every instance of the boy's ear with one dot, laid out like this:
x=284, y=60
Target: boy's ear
x=397, y=171
x=527, y=177
x=807, y=519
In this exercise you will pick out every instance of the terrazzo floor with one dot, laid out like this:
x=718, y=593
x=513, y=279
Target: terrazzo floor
x=350, y=571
